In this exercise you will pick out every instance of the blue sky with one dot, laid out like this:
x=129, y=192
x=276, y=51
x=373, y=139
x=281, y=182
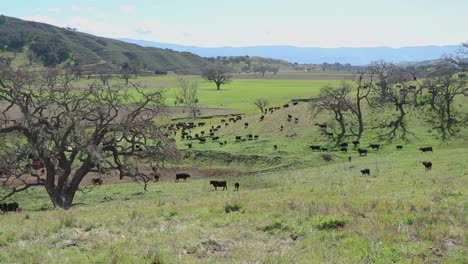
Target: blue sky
x=214, y=23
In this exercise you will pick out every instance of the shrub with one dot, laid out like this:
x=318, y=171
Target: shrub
x=330, y=223
x=327, y=157
x=232, y=208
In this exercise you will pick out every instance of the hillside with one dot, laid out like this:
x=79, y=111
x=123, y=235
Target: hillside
x=43, y=44
x=312, y=55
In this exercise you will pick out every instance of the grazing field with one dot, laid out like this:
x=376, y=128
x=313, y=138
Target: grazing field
x=327, y=214
x=293, y=206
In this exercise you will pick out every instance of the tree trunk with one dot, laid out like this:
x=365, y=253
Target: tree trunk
x=218, y=85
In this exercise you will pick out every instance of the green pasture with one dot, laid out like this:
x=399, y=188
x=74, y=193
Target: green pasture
x=322, y=214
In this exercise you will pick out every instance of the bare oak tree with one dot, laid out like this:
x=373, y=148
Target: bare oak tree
x=217, y=75
x=74, y=132
x=261, y=104
x=187, y=94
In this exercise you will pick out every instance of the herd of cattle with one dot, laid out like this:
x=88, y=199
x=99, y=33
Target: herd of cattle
x=9, y=207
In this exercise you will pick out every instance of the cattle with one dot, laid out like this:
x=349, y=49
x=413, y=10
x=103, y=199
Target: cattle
x=189, y=145
x=250, y=136
x=427, y=165
x=289, y=116
x=97, y=181
x=217, y=184
x=426, y=149
x=182, y=176
x=329, y=134
x=262, y=117
x=315, y=147
x=231, y=119
x=226, y=124
x=225, y=142
x=223, y=120
x=374, y=146
x=214, y=138
x=275, y=147
x=202, y=140
x=324, y=149
x=344, y=145
x=296, y=120
x=323, y=126
x=201, y=124
x=349, y=158
x=202, y=133
x=281, y=129
x=285, y=105
x=365, y=172
x=238, y=117
x=238, y=138
x=295, y=102
x=236, y=186
x=221, y=144
x=399, y=147
x=355, y=143
x=256, y=137
x=362, y=152
x=9, y=207
x=344, y=149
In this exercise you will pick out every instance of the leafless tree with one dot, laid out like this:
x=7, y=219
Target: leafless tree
x=442, y=93
x=74, y=132
x=364, y=85
x=187, y=94
x=104, y=77
x=336, y=101
x=217, y=75
x=261, y=104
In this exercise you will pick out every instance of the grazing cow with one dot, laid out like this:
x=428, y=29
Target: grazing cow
x=285, y=105
x=221, y=144
x=223, y=120
x=362, y=152
x=213, y=139
x=295, y=102
x=184, y=176
x=324, y=126
x=349, y=158
x=426, y=149
x=427, y=165
x=289, y=116
x=262, y=117
x=355, y=143
x=202, y=133
x=9, y=207
x=217, y=184
x=344, y=145
x=201, y=124
x=275, y=147
x=324, y=149
x=97, y=181
x=250, y=136
x=256, y=137
x=238, y=138
x=315, y=147
x=236, y=186
x=365, y=172
x=238, y=117
x=374, y=146
x=399, y=147
x=344, y=149
x=296, y=120
x=281, y=129
x=202, y=140
x=189, y=145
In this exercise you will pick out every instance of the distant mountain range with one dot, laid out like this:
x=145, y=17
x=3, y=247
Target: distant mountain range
x=353, y=56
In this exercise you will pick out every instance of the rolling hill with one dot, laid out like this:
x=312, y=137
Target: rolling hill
x=313, y=55
x=47, y=45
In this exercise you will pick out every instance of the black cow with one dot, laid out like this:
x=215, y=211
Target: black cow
x=355, y=143
x=324, y=149
x=285, y=105
x=344, y=145
x=344, y=149
x=329, y=134
x=184, y=176
x=365, y=172
x=97, y=181
x=256, y=137
x=295, y=102
x=217, y=184
x=296, y=120
x=236, y=186
x=349, y=158
x=316, y=147
x=246, y=125
x=426, y=149
x=202, y=140
x=214, y=138
x=427, y=165
x=9, y=207
x=281, y=129
x=399, y=147
x=275, y=147
x=362, y=152
x=238, y=138
x=189, y=145
x=374, y=146
x=262, y=117
x=289, y=116
x=322, y=125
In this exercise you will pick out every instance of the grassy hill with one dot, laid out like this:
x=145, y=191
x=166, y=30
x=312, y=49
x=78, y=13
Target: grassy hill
x=50, y=45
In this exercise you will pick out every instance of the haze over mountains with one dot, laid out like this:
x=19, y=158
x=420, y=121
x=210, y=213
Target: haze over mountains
x=353, y=56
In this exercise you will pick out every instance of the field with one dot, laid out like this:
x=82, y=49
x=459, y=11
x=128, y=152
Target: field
x=292, y=207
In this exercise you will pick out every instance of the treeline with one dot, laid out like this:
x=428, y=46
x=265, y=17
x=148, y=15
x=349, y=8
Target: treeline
x=384, y=95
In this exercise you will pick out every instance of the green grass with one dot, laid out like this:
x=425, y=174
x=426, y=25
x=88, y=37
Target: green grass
x=321, y=214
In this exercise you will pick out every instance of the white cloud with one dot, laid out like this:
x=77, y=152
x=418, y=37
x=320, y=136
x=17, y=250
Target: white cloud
x=128, y=9
x=143, y=30
x=54, y=10
x=42, y=19
x=76, y=8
